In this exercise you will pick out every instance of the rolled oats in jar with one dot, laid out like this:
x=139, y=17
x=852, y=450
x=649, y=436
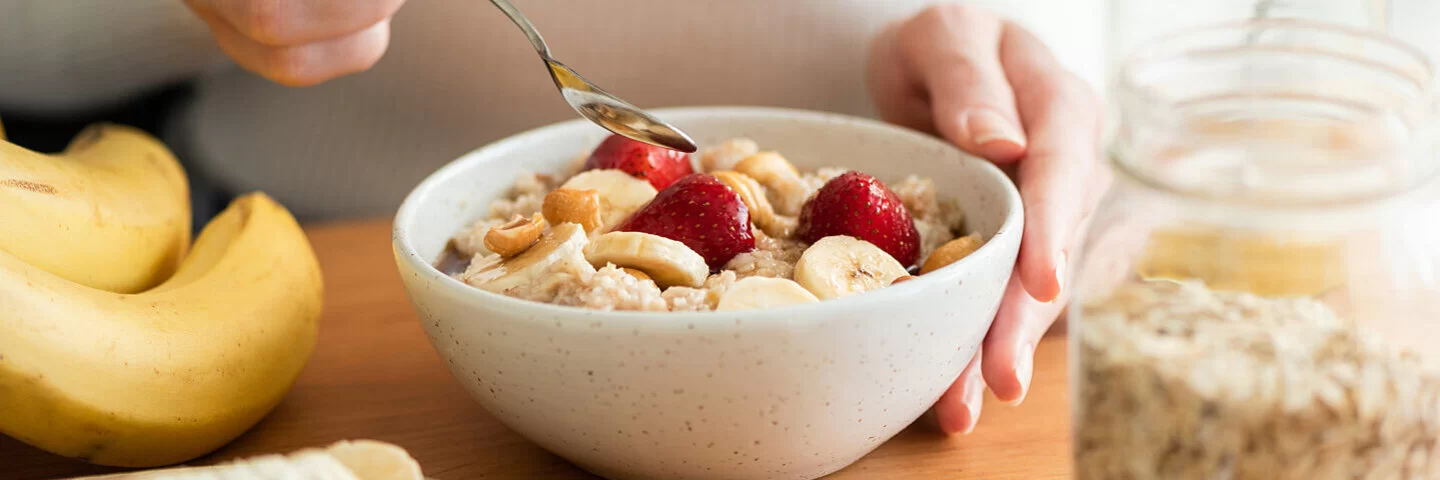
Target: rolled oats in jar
x=1259, y=295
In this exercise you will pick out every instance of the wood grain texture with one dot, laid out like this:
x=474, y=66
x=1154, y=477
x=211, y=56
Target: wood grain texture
x=373, y=375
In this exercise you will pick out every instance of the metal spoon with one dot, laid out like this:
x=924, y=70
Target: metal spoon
x=599, y=106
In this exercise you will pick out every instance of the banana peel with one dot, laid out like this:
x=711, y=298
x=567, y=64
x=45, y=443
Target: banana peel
x=170, y=374
x=111, y=212
x=112, y=370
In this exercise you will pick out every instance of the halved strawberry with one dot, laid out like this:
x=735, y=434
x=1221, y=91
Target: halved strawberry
x=858, y=205
x=701, y=212
x=661, y=166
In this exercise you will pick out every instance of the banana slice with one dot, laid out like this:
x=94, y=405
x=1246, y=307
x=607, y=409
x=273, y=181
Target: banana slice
x=620, y=193
x=780, y=179
x=372, y=460
x=725, y=155
x=346, y=460
x=753, y=195
x=840, y=265
x=561, y=243
x=764, y=292
x=667, y=262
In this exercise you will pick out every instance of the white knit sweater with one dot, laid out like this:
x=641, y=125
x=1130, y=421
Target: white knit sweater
x=459, y=75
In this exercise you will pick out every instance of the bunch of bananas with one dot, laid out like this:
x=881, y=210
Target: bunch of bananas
x=120, y=342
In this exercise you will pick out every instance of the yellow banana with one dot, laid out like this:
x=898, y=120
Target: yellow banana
x=170, y=374
x=112, y=212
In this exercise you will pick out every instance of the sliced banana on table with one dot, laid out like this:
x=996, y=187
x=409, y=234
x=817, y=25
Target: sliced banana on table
x=667, y=262
x=838, y=266
x=373, y=460
x=347, y=460
x=620, y=193
x=562, y=243
x=764, y=292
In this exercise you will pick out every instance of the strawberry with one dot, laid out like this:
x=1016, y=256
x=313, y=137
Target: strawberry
x=858, y=205
x=700, y=212
x=661, y=166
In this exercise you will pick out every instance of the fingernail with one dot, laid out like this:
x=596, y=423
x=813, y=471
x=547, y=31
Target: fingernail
x=1061, y=271
x=974, y=401
x=985, y=127
x=1024, y=368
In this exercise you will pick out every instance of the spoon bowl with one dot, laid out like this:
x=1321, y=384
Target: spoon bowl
x=615, y=114
x=595, y=104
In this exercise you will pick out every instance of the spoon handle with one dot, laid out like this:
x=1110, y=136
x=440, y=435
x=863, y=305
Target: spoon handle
x=525, y=26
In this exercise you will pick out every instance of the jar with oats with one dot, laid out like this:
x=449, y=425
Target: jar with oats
x=1259, y=295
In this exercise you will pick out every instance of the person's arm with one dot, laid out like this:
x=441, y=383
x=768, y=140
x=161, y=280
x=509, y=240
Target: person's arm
x=60, y=56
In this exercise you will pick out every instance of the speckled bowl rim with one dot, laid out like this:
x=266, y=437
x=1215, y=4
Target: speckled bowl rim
x=1010, y=229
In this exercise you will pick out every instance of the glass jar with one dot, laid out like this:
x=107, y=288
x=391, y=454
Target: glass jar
x=1259, y=294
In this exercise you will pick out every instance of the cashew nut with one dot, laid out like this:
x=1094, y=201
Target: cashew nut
x=515, y=236
x=951, y=252
x=568, y=205
x=750, y=192
x=779, y=177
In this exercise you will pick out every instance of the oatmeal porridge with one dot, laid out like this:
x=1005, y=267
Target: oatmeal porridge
x=635, y=227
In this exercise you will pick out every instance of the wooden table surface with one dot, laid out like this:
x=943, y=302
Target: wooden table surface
x=373, y=375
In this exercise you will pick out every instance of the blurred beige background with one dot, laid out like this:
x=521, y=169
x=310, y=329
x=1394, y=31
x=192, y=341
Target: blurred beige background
x=458, y=75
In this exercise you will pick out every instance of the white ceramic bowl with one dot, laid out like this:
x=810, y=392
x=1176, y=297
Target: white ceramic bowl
x=795, y=392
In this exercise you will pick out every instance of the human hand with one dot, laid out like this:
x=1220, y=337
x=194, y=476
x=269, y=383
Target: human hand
x=300, y=42
x=993, y=89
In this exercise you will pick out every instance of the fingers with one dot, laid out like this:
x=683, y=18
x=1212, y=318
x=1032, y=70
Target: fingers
x=307, y=64
x=972, y=104
x=898, y=94
x=1062, y=116
x=958, y=410
x=297, y=42
x=940, y=71
x=1010, y=346
x=296, y=22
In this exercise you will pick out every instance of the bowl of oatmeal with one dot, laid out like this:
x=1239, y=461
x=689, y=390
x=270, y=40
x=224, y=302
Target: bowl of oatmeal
x=776, y=305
